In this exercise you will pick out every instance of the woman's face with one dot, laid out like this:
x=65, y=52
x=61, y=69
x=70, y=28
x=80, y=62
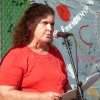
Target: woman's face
x=42, y=29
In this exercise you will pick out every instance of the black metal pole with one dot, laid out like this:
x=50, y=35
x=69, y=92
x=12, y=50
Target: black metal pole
x=79, y=92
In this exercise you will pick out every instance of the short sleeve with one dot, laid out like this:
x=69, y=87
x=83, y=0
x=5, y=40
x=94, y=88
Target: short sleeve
x=10, y=71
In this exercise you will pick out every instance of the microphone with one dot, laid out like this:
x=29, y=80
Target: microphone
x=57, y=34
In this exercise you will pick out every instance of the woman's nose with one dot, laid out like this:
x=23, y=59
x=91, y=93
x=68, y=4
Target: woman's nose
x=49, y=27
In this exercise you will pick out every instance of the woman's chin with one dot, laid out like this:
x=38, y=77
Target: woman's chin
x=48, y=40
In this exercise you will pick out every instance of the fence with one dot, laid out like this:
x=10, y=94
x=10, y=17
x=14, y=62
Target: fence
x=10, y=11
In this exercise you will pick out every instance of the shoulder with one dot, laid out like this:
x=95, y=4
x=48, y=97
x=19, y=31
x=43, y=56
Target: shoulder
x=18, y=51
x=55, y=51
x=15, y=53
x=53, y=47
x=16, y=58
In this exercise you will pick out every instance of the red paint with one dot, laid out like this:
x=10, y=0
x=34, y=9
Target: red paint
x=63, y=12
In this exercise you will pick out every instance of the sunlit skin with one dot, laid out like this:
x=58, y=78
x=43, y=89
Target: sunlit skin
x=41, y=32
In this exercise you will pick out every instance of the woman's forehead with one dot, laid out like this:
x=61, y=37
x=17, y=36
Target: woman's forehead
x=48, y=17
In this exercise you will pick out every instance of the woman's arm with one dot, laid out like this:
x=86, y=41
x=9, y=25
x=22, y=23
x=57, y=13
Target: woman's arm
x=11, y=93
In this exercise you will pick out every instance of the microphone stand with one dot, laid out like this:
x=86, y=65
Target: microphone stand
x=79, y=91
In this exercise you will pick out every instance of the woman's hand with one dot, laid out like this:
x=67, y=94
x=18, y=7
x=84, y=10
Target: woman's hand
x=50, y=96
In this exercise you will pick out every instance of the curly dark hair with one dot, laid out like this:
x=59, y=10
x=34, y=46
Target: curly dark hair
x=21, y=35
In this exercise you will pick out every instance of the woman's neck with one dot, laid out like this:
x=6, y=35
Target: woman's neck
x=41, y=48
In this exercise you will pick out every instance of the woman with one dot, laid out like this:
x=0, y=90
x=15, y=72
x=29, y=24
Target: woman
x=34, y=68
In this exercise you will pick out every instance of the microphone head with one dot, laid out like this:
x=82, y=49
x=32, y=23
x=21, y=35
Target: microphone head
x=57, y=34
